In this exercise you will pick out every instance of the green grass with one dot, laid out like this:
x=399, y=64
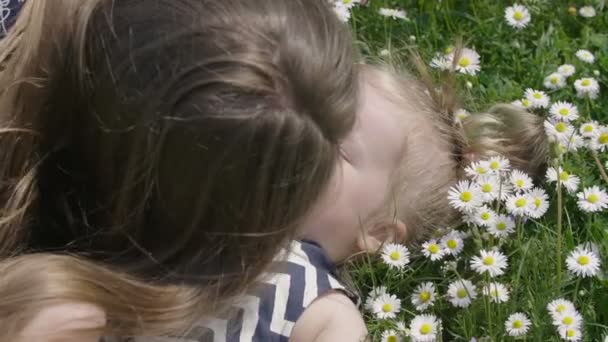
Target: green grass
x=511, y=61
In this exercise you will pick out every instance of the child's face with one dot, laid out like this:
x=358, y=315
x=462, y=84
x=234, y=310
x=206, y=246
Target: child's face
x=365, y=195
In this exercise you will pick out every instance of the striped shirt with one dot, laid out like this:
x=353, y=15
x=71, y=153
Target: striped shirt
x=8, y=14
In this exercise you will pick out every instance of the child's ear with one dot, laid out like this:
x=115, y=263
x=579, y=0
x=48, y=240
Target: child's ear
x=372, y=239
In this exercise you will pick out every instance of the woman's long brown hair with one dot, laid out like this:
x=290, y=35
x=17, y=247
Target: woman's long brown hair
x=156, y=154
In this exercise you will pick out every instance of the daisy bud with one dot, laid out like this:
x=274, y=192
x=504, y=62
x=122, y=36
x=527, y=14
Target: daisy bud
x=572, y=10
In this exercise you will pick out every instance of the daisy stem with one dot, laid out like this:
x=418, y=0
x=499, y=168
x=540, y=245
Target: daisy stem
x=558, y=247
x=488, y=310
x=578, y=283
x=599, y=165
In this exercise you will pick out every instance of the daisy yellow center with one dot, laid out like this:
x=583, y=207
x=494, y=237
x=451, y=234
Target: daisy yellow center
x=518, y=15
x=462, y=116
x=488, y=261
x=553, y=80
x=571, y=333
x=520, y=203
x=538, y=96
x=466, y=196
x=603, y=139
x=434, y=249
x=347, y=2
x=560, y=308
x=572, y=10
x=449, y=50
x=583, y=260
x=564, y=176
x=593, y=198
x=464, y=62
x=494, y=165
x=494, y=293
x=520, y=183
x=567, y=320
x=586, y=83
x=392, y=338
x=395, y=256
x=561, y=127
x=564, y=111
x=486, y=188
x=501, y=226
x=461, y=293
x=525, y=102
x=537, y=202
x=517, y=324
x=480, y=170
x=452, y=244
x=387, y=307
x=588, y=129
x=426, y=329
x=424, y=296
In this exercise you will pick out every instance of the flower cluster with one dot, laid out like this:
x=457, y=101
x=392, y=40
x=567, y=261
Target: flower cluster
x=566, y=319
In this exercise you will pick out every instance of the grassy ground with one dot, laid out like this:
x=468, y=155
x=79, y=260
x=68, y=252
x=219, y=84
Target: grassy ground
x=511, y=61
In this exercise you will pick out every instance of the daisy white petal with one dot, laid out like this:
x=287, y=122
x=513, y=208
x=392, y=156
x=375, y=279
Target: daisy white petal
x=541, y=203
x=599, y=141
x=583, y=263
x=424, y=328
x=559, y=305
x=497, y=292
x=424, y=296
x=592, y=199
x=348, y=3
x=564, y=111
x=374, y=294
x=589, y=129
x=391, y=336
x=587, y=12
x=585, y=56
x=520, y=180
x=502, y=227
x=537, y=98
x=567, y=180
x=393, y=13
x=523, y=103
x=477, y=169
x=519, y=204
x=517, y=16
x=387, y=306
x=395, y=255
x=433, y=250
x=460, y=115
x=555, y=81
x=441, y=62
x=568, y=319
x=572, y=144
x=498, y=164
x=467, y=63
x=492, y=262
x=567, y=70
x=461, y=293
x=587, y=88
x=570, y=334
x=343, y=12
x=452, y=243
x=465, y=196
x=517, y=324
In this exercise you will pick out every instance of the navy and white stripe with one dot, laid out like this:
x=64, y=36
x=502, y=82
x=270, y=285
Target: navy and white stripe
x=269, y=313
x=8, y=13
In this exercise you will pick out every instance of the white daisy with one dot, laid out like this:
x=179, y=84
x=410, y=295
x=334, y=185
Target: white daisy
x=517, y=16
x=498, y=164
x=541, y=203
x=433, y=250
x=589, y=129
x=441, y=62
x=424, y=328
x=393, y=13
x=460, y=115
x=497, y=292
x=374, y=294
x=585, y=56
x=558, y=306
x=570, y=334
x=343, y=12
x=564, y=111
x=452, y=243
x=503, y=226
x=484, y=216
x=573, y=143
x=523, y=103
x=599, y=141
x=395, y=255
x=537, y=98
x=596, y=72
x=568, y=319
x=555, y=81
x=558, y=130
x=424, y=296
x=519, y=204
x=491, y=188
x=592, y=199
x=517, y=324
x=391, y=336
x=465, y=196
x=492, y=262
x=467, y=63
x=583, y=263
x=461, y=293
x=387, y=306
x=587, y=87
x=587, y=12
x=348, y=3
x=477, y=169
x=567, y=180
x=520, y=180
x=567, y=70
